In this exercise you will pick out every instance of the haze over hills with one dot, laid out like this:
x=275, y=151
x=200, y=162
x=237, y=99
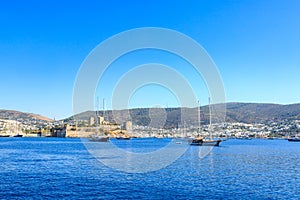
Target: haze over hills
x=236, y=112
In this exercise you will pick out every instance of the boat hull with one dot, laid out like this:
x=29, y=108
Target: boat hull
x=4, y=135
x=99, y=139
x=123, y=138
x=197, y=142
x=212, y=143
x=294, y=140
x=18, y=135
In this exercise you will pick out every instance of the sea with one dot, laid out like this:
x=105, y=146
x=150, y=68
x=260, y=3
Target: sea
x=63, y=168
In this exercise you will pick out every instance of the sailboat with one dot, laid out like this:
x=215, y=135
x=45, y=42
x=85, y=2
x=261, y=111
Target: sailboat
x=17, y=131
x=200, y=141
x=99, y=137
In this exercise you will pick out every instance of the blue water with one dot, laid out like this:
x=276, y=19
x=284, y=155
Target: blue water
x=48, y=168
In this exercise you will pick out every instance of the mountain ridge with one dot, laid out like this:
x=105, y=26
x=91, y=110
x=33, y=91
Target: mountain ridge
x=235, y=112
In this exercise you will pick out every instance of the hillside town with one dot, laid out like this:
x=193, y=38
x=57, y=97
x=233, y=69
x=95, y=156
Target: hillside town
x=85, y=128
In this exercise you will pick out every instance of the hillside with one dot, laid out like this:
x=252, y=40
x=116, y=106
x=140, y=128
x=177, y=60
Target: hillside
x=257, y=112
x=15, y=115
x=236, y=112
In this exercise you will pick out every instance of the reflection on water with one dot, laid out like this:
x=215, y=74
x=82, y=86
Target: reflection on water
x=62, y=168
x=137, y=155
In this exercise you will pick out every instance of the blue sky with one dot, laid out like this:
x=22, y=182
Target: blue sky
x=255, y=44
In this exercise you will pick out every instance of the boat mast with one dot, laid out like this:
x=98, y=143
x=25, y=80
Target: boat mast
x=199, y=123
x=103, y=109
x=97, y=106
x=16, y=127
x=184, y=130
x=209, y=128
x=97, y=116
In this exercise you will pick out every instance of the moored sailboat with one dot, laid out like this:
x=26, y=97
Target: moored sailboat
x=99, y=137
x=200, y=141
x=17, y=131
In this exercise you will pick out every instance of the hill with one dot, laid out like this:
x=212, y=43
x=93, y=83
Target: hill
x=15, y=115
x=258, y=112
x=236, y=112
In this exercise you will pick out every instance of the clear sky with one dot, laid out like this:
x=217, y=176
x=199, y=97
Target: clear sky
x=255, y=44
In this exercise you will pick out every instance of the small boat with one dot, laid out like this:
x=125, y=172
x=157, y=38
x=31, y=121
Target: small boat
x=202, y=142
x=4, y=135
x=123, y=138
x=18, y=135
x=294, y=140
x=97, y=138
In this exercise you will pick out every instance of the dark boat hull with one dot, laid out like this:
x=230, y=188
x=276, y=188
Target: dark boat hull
x=18, y=135
x=294, y=140
x=212, y=143
x=4, y=136
x=123, y=138
x=198, y=142
x=99, y=139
